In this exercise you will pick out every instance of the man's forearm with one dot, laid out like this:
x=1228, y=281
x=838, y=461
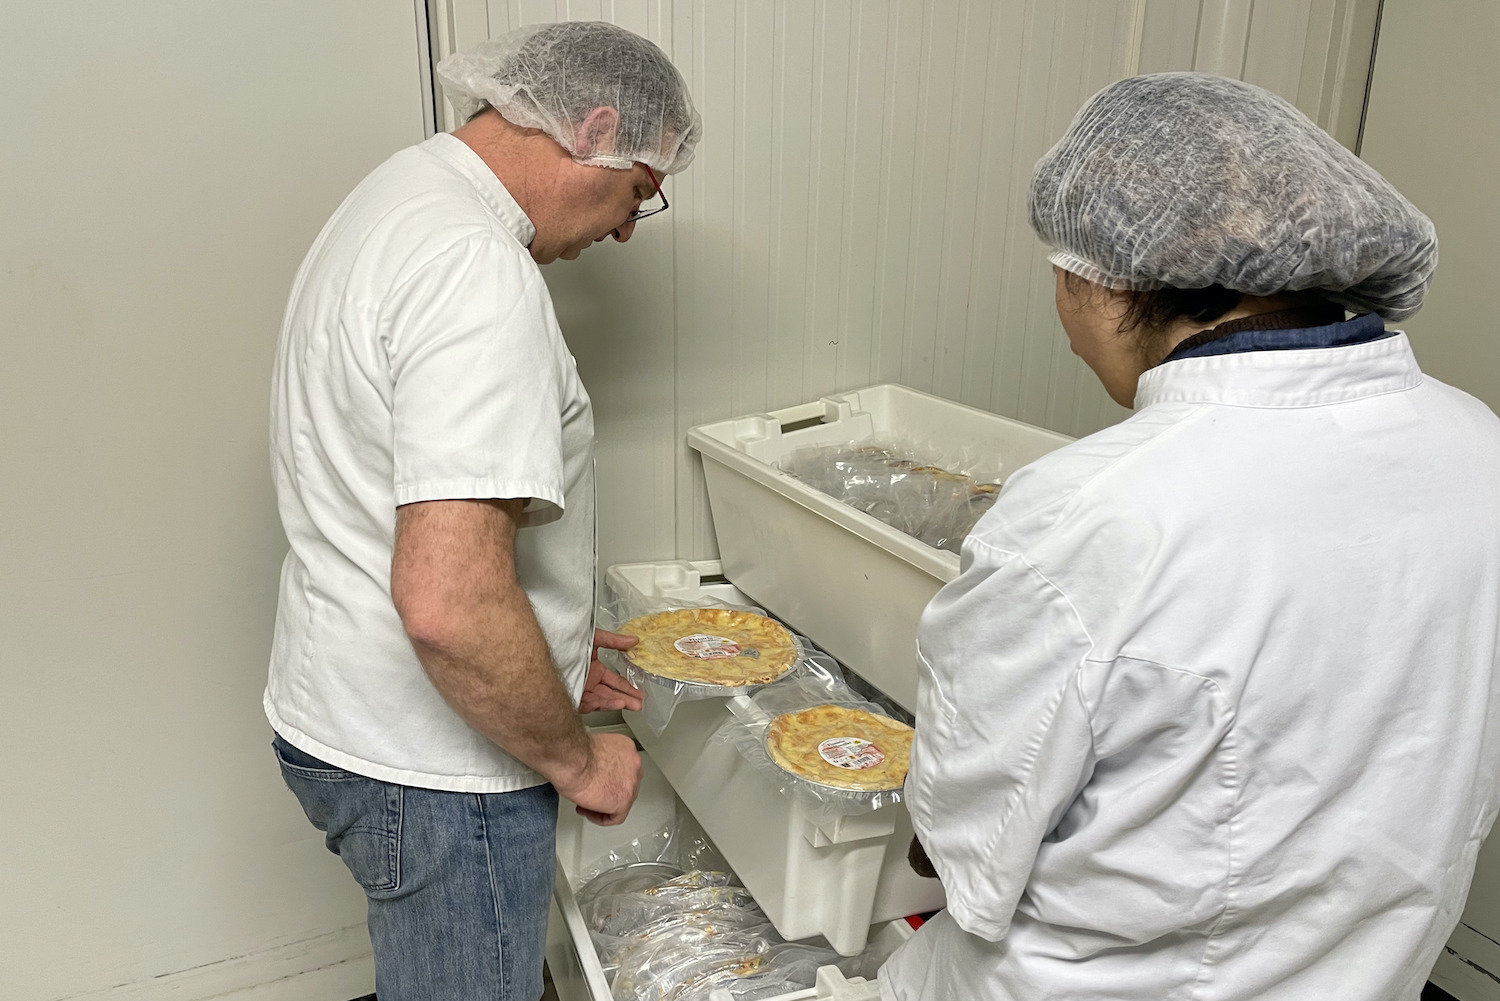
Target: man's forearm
x=498, y=675
x=454, y=585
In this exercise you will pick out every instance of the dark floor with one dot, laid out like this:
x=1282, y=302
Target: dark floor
x=549, y=993
x=1429, y=993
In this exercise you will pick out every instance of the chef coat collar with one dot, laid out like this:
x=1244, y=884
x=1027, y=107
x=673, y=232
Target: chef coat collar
x=1265, y=333
x=457, y=153
x=1291, y=376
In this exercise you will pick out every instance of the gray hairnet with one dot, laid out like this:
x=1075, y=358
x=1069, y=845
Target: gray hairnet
x=550, y=76
x=1186, y=180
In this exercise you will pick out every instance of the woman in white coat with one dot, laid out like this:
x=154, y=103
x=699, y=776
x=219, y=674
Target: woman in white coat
x=1211, y=711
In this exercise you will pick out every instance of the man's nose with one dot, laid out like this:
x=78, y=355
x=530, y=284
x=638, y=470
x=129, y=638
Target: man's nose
x=622, y=232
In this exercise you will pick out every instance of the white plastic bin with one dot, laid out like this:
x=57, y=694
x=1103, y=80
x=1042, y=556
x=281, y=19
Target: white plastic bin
x=572, y=959
x=811, y=876
x=854, y=585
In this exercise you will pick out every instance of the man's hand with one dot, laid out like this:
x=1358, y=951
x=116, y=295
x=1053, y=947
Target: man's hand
x=605, y=689
x=604, y=791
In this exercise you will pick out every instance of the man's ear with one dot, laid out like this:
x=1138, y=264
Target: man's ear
x=595, y=135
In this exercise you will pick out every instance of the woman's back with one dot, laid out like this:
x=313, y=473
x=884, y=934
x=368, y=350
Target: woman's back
x=1243, y=649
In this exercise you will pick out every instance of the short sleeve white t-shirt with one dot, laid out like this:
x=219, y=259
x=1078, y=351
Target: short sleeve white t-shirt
x=420, y=359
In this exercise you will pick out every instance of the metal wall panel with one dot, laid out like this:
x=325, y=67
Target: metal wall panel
x=856, y=214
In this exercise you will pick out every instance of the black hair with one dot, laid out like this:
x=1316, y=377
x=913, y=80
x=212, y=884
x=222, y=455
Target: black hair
x=1157, y=308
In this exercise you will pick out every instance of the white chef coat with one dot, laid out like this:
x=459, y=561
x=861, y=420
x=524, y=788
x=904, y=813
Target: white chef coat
x=1211, y=711
x=419, y=360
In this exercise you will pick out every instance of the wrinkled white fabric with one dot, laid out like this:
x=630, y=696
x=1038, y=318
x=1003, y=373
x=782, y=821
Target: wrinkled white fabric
x=1187, y=180
x=552, y=76
x=419, y=360
x=1211, y=711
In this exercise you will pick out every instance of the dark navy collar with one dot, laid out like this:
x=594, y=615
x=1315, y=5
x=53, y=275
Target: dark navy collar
x=1361, y=329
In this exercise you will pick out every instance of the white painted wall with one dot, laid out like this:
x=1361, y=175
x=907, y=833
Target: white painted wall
x=166, y=163
x=1433, y=128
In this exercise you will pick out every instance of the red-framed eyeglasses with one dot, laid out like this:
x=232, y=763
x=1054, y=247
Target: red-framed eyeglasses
x=640, y=214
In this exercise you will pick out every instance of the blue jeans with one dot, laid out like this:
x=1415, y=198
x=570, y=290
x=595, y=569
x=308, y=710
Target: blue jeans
x=457, y=883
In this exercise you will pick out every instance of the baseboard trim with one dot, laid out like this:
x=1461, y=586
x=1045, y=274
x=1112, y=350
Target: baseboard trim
x=331, y=966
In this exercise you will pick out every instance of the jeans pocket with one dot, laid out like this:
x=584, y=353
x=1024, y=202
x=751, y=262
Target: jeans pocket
x=361, y=817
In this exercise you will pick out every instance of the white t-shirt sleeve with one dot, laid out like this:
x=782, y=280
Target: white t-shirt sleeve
x=475, y=365
x=1003, y=742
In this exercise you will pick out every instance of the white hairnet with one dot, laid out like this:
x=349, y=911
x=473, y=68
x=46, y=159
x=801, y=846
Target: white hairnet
x=551, y=76
x=1186, y=180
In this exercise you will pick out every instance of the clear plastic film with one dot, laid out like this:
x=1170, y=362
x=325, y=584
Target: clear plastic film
x=660, y=908
x=784, y=969
x=688, y=927
x=674, y=848
x=850, y=757
x=629, y=928
x=933, y=493
x=670, y=885
x=652, y=922
x=668, y=934
x=746, y=965
x=663, y=694
x=676, y=968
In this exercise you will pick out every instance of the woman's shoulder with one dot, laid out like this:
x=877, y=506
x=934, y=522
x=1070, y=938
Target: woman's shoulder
x=1039, y=495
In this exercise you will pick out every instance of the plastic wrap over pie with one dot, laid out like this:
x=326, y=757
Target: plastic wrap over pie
x=711, y=646
x=842, y=747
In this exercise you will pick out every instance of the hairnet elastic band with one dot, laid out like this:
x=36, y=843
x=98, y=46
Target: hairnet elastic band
x=1093, y=273
x=613, y=162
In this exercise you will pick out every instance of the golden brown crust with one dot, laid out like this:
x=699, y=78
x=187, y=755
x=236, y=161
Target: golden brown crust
x=875, y=749
x=711, y=646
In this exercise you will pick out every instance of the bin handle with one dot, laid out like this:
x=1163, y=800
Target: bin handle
x=802, y=415
x=828, y=410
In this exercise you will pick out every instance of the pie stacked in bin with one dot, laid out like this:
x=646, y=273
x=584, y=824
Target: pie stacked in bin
x=842, y=747
x=711, y=646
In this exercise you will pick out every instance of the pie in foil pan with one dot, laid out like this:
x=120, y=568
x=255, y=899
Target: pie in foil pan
x=711, y=646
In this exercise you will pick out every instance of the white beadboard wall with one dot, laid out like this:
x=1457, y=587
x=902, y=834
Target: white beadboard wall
x=856, y=212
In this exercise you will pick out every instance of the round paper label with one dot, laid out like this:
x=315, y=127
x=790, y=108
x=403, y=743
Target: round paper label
x=706, y=647
x=850, y=752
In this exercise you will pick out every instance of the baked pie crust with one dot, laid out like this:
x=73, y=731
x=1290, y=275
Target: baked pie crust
x=841, y=747
x=711, y=646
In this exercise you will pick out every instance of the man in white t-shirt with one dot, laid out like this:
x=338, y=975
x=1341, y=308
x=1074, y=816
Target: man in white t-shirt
x=433, y=455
